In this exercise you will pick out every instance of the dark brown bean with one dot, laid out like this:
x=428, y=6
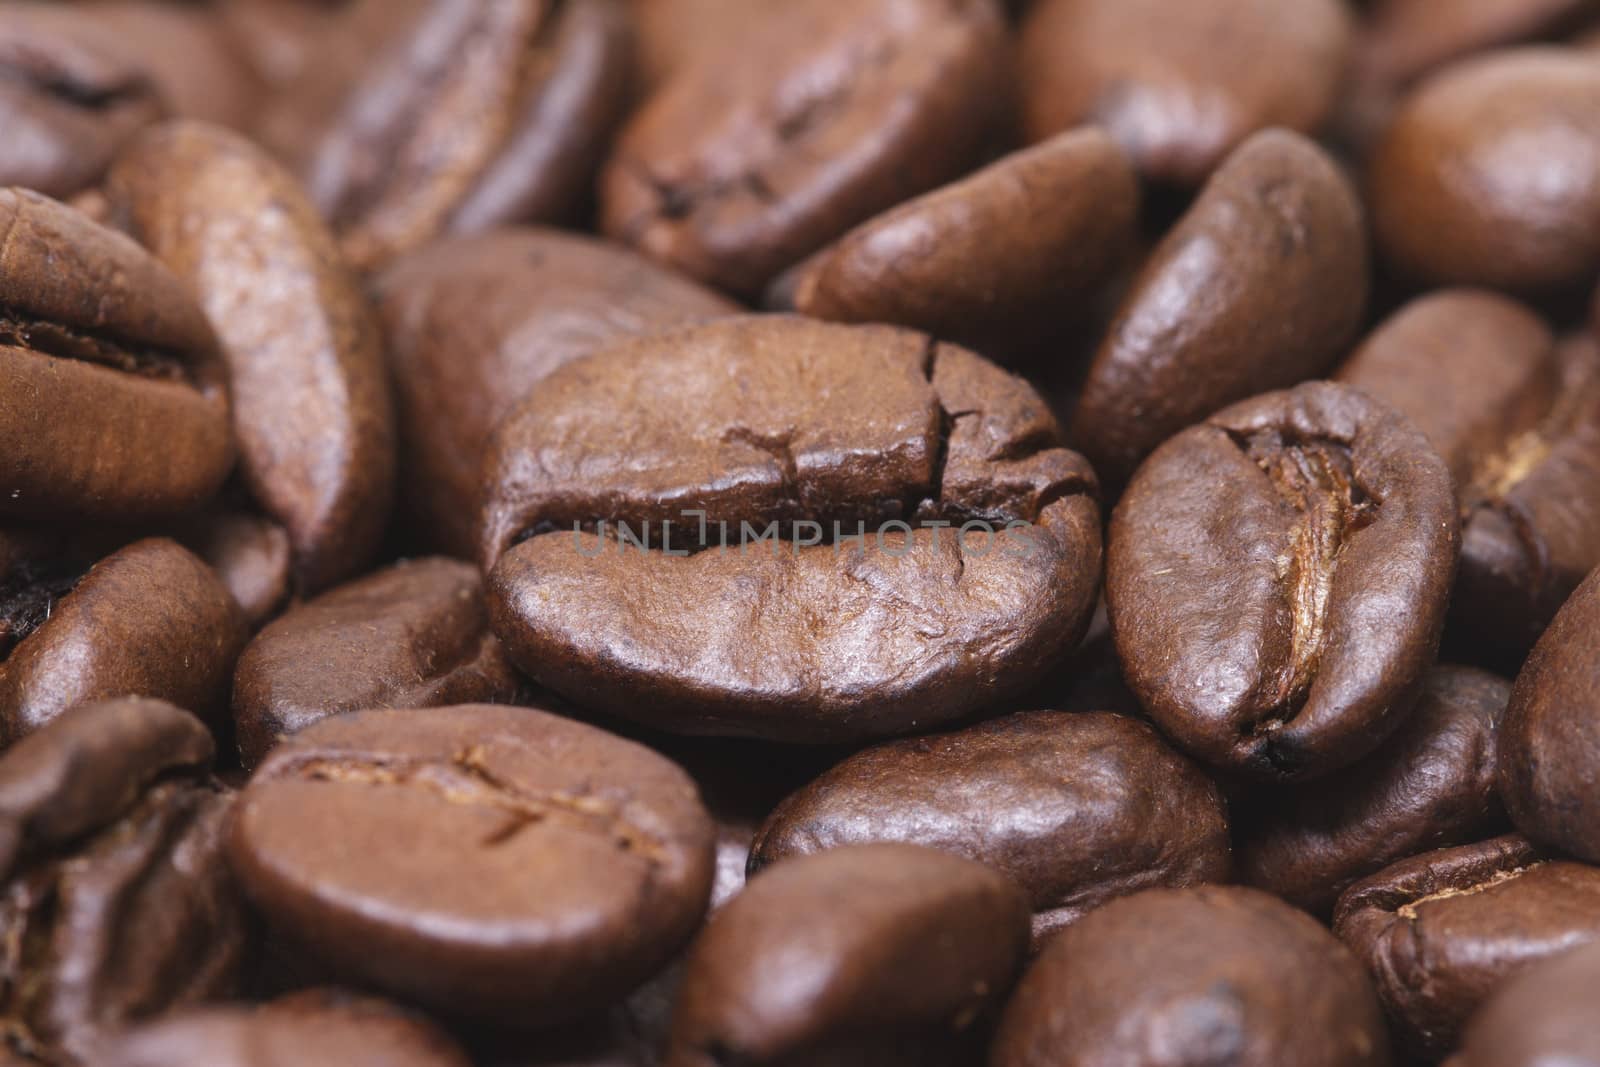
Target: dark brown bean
x=1260, y=286
x=1076, y=808
x=1193, y=977
x=1442, y=931
x=411, y=636
x=881, y=955
x=1542, y=1018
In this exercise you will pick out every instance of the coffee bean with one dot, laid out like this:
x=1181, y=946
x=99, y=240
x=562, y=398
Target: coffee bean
x=677, y=35
x=473, y=324
x=117, y=902
x=1457, y=197
x=311, y=407
x=1551, y=742
x=1402, y=39
x=995, y=261
x=1076, y=808
x=762, y=423
x=1544, y=1016
x=1192, y=977
x=149, y=620
x=823, y=116
x=411, y=636
x=493, y=863
x=903, y=950
x=251, y=556
x=1277, y=580
x=317, y=1026
x=66, y=105
x=1431, y=785
x=418, y=117
x=1171, y=82
x=112, y=395
x=1259, y=287
x=1441, y=931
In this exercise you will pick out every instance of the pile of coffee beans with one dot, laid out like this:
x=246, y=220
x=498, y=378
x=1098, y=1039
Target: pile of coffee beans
x=799, y=533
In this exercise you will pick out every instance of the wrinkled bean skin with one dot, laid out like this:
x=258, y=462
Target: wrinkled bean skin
x=823, y=116
x=316, y=1026
x=1551, y=738
x=418, y=117
x=865, y=955
x=474, y=323
x=112, y=395
x=149, y=620
x=1076, y=808
x=1193, y=977
x=1165, y=79
x=117, y=902
x=553, y=866
x=312, y=412
x=411, y=636
x=1545, y=1016
x=820, y=644
x=993, y=262
x=1260, y=286
x=1430, y=786
x=1442, y=931
x=1277, y=579
x=1457, y=198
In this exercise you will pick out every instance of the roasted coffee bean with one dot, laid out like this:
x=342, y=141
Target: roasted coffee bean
x=1192, y=978
x=1542, y=1018
x=527, y=868
x=676, y=35
x=311, y=407
x=117, y=902
x=112, y=396
x=1076, y=808
x=1180, y=86
x=997, y=261
x=1442, y=931
x=1260, y=286
x=1460, y=198
x=474, y=323
x=66, y=105
x=415, y=118
x=411, y=636
x=1550, y=750
x=876, y=955
x=314, y=1027
x=148, y=620
x=1277, y=580
x=251, y=556
x=769, y=423
x=276, y=37
x=821, y=117
x=1402, y=39
x=1431, y=785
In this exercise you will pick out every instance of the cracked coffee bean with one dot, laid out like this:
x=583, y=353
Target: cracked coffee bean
x=996, y=262
x=1277, y=580
x=1077, y=808
x=311, y=408
x=1542, y=1018
x=475, y=323
x=1551, y=739
x=320, y=1026
x=1430, y=786
x=1260, y=286
x=1171, y=82
x=416, y=118
x=880, y=955
x=549, y=867
x=113, y=402
x=412, y=636
x=117, y=901
x=780, y=421
x=824, y=115
x=1441, y=931
x=147, y=620
x=1194, y=977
